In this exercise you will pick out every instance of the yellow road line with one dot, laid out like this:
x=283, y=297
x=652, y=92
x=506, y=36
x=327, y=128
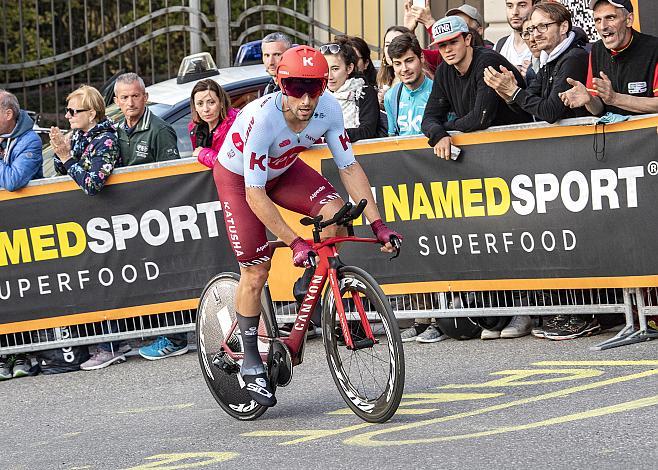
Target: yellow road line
x=606, y=410
x=643, y=362
x=412, y=399
x=366, y=439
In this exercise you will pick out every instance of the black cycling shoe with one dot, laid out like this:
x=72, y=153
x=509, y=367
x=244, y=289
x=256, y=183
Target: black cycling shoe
x=259, y=389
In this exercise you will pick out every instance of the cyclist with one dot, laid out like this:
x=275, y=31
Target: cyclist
x=257, y=167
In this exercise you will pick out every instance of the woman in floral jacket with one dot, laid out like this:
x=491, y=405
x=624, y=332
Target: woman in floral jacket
x=90, y=152
x=212, y=117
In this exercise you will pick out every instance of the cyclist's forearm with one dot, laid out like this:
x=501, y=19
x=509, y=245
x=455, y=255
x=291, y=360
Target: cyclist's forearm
x=358, y=187
x=266, y=211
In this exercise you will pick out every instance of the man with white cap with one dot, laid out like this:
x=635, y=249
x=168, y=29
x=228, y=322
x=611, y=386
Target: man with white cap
x=459, y=86
x=623, y=65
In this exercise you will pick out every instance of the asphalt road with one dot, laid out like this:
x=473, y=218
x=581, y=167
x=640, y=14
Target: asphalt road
x=524, y=403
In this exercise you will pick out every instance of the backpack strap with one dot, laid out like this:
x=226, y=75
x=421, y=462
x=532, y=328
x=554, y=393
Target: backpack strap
x=397, y=108
x=501, y=42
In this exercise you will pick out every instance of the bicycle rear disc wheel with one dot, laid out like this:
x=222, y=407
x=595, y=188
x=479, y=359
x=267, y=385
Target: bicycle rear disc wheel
x=215, y=316
x=370, y=380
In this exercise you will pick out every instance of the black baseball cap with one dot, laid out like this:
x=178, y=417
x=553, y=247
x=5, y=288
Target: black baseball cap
x=617, y=3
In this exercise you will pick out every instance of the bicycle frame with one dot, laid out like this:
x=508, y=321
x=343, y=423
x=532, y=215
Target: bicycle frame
x=327, y=268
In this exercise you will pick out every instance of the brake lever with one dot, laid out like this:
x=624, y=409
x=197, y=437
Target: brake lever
x=397, y=244
x=311, y=259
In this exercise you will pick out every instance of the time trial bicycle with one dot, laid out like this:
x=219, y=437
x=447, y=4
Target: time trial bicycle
x=359, y=330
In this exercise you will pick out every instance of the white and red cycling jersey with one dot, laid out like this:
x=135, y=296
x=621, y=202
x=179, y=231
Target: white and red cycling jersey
x=260, y=151
x=260, y=146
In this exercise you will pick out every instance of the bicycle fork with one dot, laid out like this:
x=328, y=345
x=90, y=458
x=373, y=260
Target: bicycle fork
x=369, y=341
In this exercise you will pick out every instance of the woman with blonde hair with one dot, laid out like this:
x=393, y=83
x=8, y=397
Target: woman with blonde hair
x=90, y=152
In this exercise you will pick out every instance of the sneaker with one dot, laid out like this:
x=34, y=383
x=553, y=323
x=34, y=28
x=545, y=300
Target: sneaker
x=6, y=364
x=489, y=334
x=162, y=347
x=575, y=326
x=412, y=332
x=102, y=358
x=22, y=365
x=547, y=323
x=519, y=325
x=431, y=335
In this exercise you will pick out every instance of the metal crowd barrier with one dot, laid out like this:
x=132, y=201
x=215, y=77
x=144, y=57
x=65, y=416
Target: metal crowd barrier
x=141, y=327
x=643, y=302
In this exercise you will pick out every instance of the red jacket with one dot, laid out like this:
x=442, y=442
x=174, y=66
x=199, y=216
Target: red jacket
x=207, y=156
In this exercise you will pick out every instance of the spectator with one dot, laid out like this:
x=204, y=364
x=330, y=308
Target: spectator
x=145, y=138
x=20, y=147
x=212, y=117
x=562, y=56
x=20, y=162
x=623, y=67
x=90, y=152
x=357, y=100
x=405, y=105
x=386, y=75
x=405, y=102
x=513, y=47
x=273, y=46
x=529, y=71
x=459, y=86
x=363, y=64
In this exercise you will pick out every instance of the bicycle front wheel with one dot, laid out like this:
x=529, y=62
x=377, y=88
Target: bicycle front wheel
x=215, y=318
x=371, y=379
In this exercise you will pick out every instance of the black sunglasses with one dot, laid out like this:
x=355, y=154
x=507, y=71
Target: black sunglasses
x=73, y=112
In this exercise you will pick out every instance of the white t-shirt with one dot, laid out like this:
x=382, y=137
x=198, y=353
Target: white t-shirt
x=510, y=53
x=260, y=145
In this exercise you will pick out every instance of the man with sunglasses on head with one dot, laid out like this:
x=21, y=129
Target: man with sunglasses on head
x=623, y=66
x=258, y=167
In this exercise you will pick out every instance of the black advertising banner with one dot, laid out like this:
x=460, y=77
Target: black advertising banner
x=151, y=241
x=519, y=206
x=528, y=209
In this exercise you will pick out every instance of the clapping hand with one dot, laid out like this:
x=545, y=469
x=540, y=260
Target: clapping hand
x=61, y=143
x=577, y=97
x=503, y=82
x=604, y=90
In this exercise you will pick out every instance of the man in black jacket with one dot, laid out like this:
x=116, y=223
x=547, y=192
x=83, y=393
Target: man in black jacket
x=562, y=56
x=459, y=86
x=623, y=68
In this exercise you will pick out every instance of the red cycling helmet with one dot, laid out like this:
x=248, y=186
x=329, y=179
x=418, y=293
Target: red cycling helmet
x=302, y=62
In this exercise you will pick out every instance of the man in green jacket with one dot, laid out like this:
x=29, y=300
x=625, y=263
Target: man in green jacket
x=143, y=138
